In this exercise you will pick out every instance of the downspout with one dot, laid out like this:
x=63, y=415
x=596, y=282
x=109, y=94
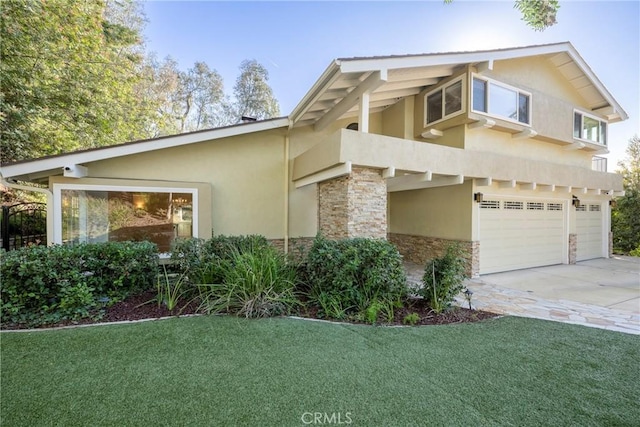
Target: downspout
x=286, y=192
x=44, y=191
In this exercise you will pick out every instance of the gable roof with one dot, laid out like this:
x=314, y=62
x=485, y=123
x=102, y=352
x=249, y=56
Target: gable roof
x=33, y=170
x=390, y=78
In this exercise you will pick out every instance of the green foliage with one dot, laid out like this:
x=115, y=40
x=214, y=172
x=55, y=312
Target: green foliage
x=635, y=252
x=443, y=278
x=357, y=278
x=411, y=319
x=254, y=97
x=43, y=284
x=254, y=282
x=537, y=14
x=200, y=258
x=67, y=78
x=170, y=288
x=625, y=216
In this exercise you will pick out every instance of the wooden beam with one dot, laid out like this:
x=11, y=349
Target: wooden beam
x=363, y=113
x=416, y=182
x=547, y=188
x=483, y=182
x=563, y=189
x=482, y=123
x=334, y=172
x=507, y=184
x=528, y=186
x=389, y=172
x=432, y=134
x=370, y=84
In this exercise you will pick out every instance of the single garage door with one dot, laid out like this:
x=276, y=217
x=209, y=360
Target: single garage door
x=589, y=231
x=519, y=233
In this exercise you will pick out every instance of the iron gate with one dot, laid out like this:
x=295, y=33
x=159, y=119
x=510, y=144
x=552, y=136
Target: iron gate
x=23, y=224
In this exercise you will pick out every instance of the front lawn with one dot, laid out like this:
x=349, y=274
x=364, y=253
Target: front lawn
x=210, y=370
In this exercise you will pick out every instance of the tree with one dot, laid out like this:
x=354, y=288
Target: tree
x=538, y=14
x=67, y=77
x=625, y=217
x=253, y=96
x=183, y=101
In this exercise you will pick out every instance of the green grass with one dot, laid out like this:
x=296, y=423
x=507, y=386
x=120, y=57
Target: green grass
x=230, y=371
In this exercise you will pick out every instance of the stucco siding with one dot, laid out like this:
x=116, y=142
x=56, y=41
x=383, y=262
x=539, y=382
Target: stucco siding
x=246, y=174
x=443, y=212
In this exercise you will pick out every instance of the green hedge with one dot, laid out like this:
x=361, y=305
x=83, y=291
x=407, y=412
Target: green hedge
x=357, y=278
x=43, y=284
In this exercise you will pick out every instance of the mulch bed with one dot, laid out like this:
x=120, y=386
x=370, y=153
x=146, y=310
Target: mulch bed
x=144, y=306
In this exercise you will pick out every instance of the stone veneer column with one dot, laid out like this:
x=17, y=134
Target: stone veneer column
x=573, y=247
x=353, y=206
x=610, y=244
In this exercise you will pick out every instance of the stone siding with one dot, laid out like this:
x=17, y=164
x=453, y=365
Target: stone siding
x=421, y=249
x=299, y=247
x=353, y=206
x=573, y=248
x=610, y=244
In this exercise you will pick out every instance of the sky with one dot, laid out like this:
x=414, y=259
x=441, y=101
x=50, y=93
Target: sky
x=297, y=40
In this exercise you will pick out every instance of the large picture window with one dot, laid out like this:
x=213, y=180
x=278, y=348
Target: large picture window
x=444, y=102
x=589, y=128
x=500, y=100
x=101, y=214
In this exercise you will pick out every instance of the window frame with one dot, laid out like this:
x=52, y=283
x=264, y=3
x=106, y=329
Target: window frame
x=600, y=121
x=442, y=89
x=487, y=101
x=59, y=187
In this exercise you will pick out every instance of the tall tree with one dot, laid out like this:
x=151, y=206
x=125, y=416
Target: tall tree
x=253, y=95
x=183, y=101
x=625, y=218
x=67, y=77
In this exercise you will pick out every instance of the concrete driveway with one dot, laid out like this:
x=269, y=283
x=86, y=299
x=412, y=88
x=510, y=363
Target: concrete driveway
x=602, y=293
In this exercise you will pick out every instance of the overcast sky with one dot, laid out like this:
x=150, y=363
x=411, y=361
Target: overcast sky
x=296, y=41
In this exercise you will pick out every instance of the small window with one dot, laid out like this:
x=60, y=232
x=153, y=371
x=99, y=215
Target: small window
x=554, y=206
x=535, y=206
x=594, y=208
x=501, y=100
x=581, y=208
x=444, y=102
x=589, y=128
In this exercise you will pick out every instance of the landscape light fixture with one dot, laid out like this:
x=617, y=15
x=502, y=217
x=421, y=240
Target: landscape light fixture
x=468, y=293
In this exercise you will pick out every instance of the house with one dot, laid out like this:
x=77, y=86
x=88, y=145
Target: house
x=495, y=149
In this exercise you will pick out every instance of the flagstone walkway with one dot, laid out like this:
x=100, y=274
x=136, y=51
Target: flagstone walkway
x=515, y=302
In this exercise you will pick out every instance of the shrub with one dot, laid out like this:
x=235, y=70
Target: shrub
x=43, y=284
x=199, y=258
x=443, y=278
x=358, y=278
x=255, y=281
x=411, y=319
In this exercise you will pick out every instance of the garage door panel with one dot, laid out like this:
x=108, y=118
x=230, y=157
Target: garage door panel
x=589, y=231
x=520, y=233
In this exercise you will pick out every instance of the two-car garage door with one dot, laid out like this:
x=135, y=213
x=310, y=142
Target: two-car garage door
x=520, y=233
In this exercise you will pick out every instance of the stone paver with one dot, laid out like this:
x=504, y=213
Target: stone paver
x=523, y=297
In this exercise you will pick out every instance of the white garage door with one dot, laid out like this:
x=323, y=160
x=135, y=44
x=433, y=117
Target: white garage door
x=519, y=233
x=589, y=231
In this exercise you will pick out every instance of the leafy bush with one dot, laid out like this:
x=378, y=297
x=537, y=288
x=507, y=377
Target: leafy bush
x=358, y=278
x=43, y=284
x=199, y=258
x=411, y=319
x=255, y=281
x=443, y=278
x=625, y=222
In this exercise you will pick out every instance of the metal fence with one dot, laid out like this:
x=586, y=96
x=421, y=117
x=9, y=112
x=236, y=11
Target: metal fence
x=23, y=224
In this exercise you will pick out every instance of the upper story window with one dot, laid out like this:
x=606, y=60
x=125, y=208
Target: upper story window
x=589, y=128
x=444, y=102
x=500, y=100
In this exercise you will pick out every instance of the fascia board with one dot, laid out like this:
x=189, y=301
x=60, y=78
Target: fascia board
x=327, y=78
x=58, y=162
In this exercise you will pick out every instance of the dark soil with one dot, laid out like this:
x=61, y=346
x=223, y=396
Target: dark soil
x=145, y=306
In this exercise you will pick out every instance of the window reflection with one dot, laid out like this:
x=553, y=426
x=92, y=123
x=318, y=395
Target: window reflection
x=99, y=216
